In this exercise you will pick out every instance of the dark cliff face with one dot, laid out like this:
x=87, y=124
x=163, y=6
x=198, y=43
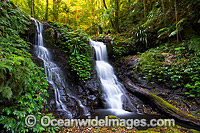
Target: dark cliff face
x=88, y=92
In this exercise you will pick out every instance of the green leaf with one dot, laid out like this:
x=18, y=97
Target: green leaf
x=8, y=111
x=7, y=92
x=179, y=48
x=173, y=33
x=163, y=33
x=192, y=95
x=163, y=29
x=179, y=22
x=187, y=93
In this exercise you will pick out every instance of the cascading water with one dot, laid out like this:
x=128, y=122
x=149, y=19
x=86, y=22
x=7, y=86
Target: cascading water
x=54, y=74
x=113, y=90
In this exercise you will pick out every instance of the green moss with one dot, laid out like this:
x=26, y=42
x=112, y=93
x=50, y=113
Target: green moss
x=171, y=108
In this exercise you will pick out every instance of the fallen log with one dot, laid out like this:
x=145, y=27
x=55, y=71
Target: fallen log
x=161, y=104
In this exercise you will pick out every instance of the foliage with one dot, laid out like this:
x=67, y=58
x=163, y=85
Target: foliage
x=23, y=86
x=122, y=45
x=87, y=14
x=178, y=65
x=137, y=31
x=148, y=24
x=172, y=30
x=76, y=45
x=81, y=14
x=194, y=43
x=165, y=31
x=141, y=37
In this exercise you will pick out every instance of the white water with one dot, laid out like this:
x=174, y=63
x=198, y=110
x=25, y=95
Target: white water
x=54, y=74
x=113, y=90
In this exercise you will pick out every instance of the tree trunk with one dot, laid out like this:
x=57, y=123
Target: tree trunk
x=104, y=3
x=54, y=10
x=116, y=16
x=32, y=8
x=144, y=4
x=163, y=6
x=161, y=104
x=163, y=9
x=57, y=9
x=176, y=22
x=46, y=15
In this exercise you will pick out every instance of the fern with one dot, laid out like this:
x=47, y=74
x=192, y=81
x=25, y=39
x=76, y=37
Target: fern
x=6, y=92
x=23, y=86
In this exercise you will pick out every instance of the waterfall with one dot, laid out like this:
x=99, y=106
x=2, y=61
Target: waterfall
x=113, y=90
x=54, y=74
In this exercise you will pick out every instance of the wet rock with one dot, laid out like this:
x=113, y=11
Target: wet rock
x=37, y=61
x=97, y=103
x=197, y=100
x=80, y=90
x=62, y=92
x=52, y=105
x=92, y=97
x=92, y=85
x=31, y=33
x=61, y=114
x=63, y=98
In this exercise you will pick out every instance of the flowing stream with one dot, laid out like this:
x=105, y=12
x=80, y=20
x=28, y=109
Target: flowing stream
x=54, y=74
x=113, y=90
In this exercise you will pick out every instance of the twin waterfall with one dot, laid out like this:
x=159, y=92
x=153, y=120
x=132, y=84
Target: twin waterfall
x=54, y=74
x=113, y=90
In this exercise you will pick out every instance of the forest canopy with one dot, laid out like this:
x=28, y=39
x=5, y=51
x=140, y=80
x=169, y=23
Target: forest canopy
x=77, y=13
x=114, y=15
